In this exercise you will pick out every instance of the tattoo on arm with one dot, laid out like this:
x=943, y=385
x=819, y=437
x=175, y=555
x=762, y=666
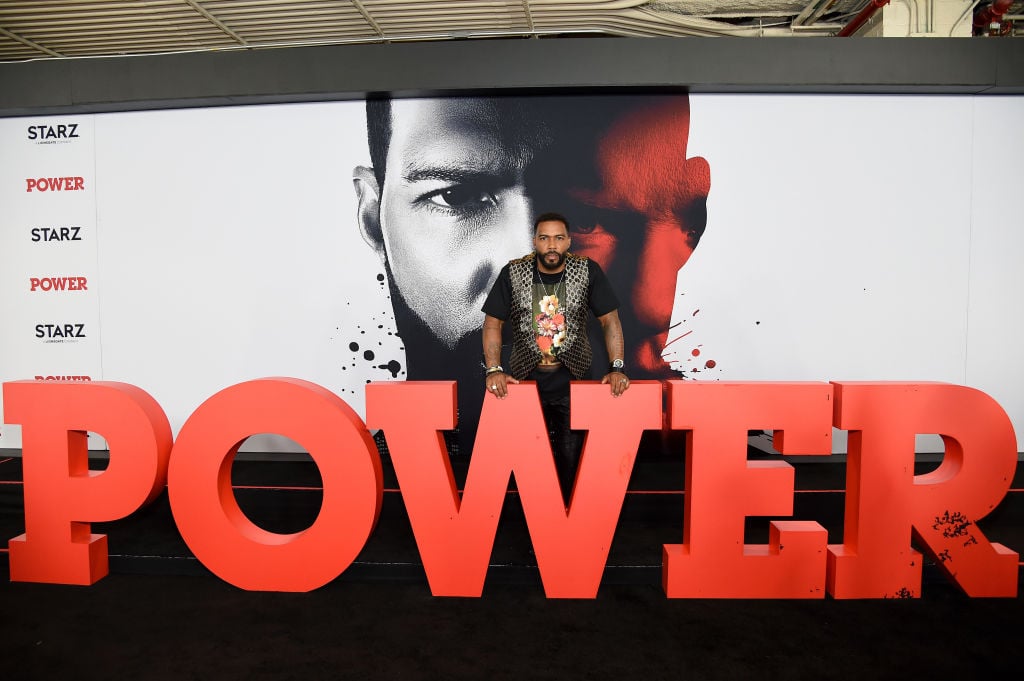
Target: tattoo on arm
x=613, y=335
x=492, y=341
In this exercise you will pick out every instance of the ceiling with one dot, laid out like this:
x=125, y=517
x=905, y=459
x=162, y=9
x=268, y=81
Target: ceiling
x=64, y=29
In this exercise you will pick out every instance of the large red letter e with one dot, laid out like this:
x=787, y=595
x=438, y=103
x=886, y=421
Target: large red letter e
x=723, y=487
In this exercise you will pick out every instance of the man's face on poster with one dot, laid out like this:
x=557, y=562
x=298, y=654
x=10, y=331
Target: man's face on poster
x=453, y=208
x=464, y=177
x=637, y=206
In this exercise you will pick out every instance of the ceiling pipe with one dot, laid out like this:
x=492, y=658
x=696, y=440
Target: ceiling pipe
x=813, y=12
x=861, y=18
x=992, y=14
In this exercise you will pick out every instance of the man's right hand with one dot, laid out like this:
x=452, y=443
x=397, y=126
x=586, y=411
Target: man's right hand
x=497, y=384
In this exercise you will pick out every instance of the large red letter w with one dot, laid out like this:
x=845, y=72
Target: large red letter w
x=455, y=536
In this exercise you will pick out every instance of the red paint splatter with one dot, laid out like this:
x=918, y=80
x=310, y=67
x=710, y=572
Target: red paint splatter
x=678, y=337
x=710, y=364
x=695, y=352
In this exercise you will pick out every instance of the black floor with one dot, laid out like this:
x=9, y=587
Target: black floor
x=160, y=614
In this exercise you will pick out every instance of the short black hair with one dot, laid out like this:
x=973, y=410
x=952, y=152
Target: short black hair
x=378, y=134
x=550, y=217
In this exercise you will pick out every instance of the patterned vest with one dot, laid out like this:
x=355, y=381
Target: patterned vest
x=575, y=352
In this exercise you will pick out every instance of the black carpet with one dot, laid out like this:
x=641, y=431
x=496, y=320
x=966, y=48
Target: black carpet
x=160, y=614
x=179, y=627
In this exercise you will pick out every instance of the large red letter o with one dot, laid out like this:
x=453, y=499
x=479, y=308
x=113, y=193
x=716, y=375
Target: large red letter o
x=216, y=529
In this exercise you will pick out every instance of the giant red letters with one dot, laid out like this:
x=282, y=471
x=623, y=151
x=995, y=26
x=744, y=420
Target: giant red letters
x=455, y=537
x=886, y=505
x=885, y=501
x=204, y=505
x=722, y=487
x=62, y=496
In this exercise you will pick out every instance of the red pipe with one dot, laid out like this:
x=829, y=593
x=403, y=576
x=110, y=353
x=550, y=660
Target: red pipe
x=991, y=14
x=862, y=17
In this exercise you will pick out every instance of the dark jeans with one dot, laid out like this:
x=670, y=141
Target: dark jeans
x=553, y=387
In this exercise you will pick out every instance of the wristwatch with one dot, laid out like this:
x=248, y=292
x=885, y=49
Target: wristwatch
x=617, y=365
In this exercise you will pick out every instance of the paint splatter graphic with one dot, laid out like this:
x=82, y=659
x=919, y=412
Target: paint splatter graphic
x=689, y=361
x=953, y=525
x=374, y=349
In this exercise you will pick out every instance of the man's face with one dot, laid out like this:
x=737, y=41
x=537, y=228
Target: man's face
x=639, y=214
x=551, y=242
x=453, y=209
x=464, y=175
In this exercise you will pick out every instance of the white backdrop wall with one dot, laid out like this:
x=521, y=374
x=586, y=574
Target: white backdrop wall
x=848, y=237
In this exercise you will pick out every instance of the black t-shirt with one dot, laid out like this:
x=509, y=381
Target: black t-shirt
x=601, y=298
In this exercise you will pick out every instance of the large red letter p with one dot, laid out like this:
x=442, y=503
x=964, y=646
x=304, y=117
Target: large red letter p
x=62, y=496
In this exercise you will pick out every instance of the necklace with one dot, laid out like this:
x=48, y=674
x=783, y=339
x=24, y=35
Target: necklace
x=553, y=289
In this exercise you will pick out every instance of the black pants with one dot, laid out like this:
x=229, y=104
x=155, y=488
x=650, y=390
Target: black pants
x=553, y=387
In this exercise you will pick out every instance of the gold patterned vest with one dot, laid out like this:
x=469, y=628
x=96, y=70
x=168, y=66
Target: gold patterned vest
x=575, y=352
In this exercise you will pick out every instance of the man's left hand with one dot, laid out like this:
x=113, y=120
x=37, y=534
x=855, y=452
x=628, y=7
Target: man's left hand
x=618, y=381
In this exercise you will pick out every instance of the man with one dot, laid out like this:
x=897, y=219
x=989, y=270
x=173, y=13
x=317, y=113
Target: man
x=545, y=297
x=454, y=181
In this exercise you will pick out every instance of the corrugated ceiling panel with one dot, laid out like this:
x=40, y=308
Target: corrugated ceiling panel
x=66, y=28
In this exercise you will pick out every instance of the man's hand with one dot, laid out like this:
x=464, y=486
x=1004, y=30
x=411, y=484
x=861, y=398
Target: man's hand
x=496, y=381
x=618, y=380
x=497, y=384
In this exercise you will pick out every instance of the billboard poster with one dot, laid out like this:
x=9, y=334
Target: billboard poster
x=747, y=237
x=48, y=250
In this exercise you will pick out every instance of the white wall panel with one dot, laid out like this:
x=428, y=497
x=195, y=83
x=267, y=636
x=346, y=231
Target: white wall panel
x=995, y=359
x=828, y=254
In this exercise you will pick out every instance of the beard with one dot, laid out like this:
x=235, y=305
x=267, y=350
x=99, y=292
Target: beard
x=543, y=259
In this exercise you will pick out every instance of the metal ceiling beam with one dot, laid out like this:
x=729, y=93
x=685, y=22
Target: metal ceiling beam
x=369, y=19
x=216, y=22
x=25, y=41
x=529, y=14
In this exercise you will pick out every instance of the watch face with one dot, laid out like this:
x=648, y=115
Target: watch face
x=618, y=364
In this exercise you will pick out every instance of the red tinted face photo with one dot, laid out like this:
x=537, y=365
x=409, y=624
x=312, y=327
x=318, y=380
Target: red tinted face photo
x=637, y=206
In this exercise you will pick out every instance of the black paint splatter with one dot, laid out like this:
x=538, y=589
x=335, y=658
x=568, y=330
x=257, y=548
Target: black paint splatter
x=393, y=366
x=952, y=525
